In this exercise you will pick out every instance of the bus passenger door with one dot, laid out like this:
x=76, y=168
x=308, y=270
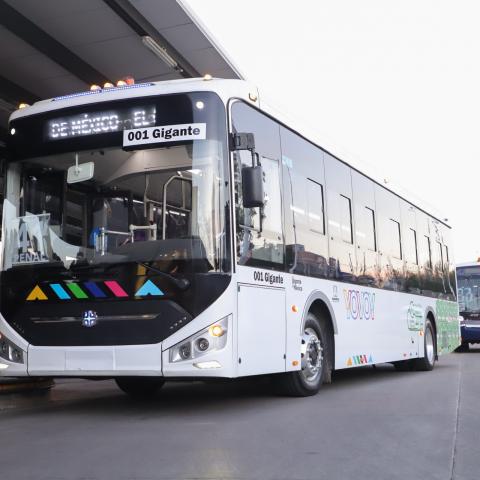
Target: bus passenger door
x=260, y=249
x=261, y=330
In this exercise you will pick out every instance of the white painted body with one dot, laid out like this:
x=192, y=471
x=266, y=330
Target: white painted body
x=265, y=317
x=264, y=331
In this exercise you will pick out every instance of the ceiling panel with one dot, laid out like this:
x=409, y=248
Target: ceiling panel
x=168, y=14
x=32, y=68
x=122, y=56
x=12, y=46
x=186, y=37
x=62, y=85
x=94, y=32
x=41, y=9
x=44, y=87
x=4, y=116
x=206, y=61
x=85, y=28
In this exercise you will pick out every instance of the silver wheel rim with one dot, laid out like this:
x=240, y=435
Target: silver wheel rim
x=312, y=356
x=429, y=346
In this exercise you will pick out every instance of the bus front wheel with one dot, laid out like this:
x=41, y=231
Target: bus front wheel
x=140, y=387
x=316, y=354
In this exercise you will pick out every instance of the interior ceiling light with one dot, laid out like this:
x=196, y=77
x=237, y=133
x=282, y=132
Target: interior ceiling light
x=159, y=51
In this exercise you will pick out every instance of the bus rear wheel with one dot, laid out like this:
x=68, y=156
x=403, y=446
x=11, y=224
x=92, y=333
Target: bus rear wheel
x=140, y=387
x=430, y=349
x=315, y=363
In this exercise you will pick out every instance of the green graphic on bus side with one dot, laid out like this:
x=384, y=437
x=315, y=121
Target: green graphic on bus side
x=448, y=338
x=415, y=317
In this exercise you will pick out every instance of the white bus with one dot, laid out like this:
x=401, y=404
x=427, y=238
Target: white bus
x=175, y=229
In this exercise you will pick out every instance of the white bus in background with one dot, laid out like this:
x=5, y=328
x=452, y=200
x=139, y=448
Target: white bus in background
x=175, y=229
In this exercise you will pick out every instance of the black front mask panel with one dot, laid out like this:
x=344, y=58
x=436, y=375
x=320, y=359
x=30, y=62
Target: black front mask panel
x=122, y=308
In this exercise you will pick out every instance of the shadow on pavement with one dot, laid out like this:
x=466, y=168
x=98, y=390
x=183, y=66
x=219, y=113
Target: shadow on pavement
x=179, y=397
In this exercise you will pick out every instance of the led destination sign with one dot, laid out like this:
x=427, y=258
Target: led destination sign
x=100, y=122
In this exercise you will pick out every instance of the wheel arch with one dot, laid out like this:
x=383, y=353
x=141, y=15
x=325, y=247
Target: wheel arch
x=430, y=315
x=318, y=302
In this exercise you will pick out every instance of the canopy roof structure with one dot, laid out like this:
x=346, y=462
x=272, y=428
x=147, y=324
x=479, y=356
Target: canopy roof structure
x=57, y=47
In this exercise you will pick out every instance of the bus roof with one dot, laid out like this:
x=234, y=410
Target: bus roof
x=469, y=264
x=225, y=88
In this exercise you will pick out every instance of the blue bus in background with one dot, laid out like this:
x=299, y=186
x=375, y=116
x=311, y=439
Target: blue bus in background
x=468, y=284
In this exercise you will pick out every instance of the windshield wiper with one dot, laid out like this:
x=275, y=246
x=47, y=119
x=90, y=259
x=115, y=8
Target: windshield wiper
x=181, y=283
x=84, y=265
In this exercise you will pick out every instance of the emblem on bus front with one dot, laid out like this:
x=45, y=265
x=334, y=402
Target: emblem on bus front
x=89, y=318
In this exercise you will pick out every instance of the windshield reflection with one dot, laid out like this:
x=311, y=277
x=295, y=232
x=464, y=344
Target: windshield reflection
x=468, y=279
x=163, y=208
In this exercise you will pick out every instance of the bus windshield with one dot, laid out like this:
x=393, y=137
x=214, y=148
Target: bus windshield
x=159, y=205
x=468, y=279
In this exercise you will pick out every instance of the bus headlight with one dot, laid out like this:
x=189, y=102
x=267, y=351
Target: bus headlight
x=9, y=351
x=208, y=340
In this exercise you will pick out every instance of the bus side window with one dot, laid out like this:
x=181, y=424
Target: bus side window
x=410, y=244
x=345, y=206
x=441, y=264
x=315, y=211
x=342, y=260
x=369, y=229
x=304, y=194
x=259, y=230
x=426, y=253
x=395, y=235
x=366, y=224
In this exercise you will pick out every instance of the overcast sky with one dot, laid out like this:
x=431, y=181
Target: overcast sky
x=389, y=86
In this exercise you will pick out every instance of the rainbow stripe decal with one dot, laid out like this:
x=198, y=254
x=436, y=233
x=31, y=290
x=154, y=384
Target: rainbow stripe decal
x=74, y=290
x=359, y=360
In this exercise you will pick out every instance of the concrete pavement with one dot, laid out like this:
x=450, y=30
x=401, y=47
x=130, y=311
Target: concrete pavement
x=371, y=423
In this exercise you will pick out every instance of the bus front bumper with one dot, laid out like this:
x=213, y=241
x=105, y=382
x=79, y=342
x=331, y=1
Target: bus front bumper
x=104, y=361
x=470, y=332
x=116, y=360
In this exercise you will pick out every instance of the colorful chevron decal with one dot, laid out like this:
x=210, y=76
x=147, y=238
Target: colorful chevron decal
x=76, y=290
x=94, y=289
x=116, y=289
x=87, y=290
x=36, y=294
x=60, y=291
x=359, y=360
x=148, y=288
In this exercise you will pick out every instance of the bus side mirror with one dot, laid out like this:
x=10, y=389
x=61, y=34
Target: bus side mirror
x=252, y=177
x=252, y=187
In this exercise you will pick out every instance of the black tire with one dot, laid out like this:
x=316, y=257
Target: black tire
x=140, y=387
x=464, y=347
x=306, y=382
x=430, y=348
